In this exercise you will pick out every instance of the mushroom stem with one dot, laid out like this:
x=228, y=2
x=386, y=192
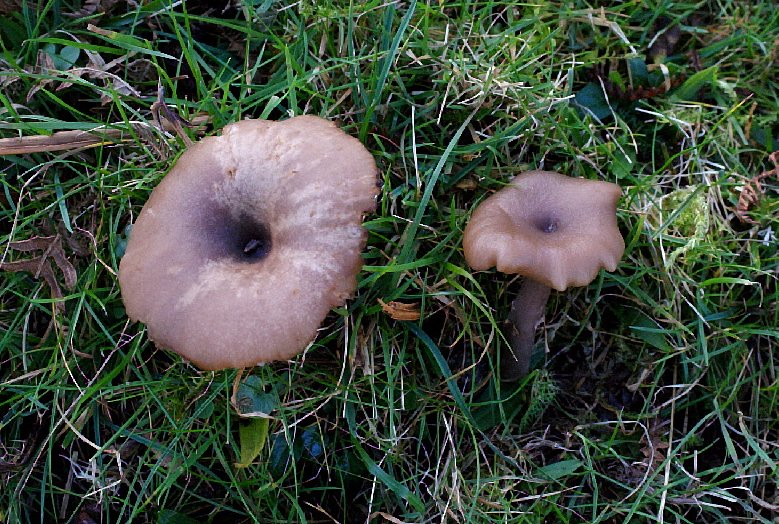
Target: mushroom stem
x=527, y=311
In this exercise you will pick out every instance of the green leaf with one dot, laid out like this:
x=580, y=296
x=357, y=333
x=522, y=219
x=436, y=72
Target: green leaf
x=251, y=400
x=646, y=330
x=312, y=441
x=205, y=408
x=558, y=470
x=639, y=74
x=69, y=55
x=252, y=435
x=281, y=455
x=121, y=242
x=63, y=59
x=690, y=88
x=591, y=98
x=623, y=164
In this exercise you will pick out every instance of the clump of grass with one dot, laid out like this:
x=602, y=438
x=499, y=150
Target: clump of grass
x=658, y=398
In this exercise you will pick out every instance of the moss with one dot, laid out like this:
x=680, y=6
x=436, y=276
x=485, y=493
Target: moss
x=692, y=219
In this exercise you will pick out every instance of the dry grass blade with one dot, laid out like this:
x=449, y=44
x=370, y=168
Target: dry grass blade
x=72, y=140
x=400, y=310
x=60, y=141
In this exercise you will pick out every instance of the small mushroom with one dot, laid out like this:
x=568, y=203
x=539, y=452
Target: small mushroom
x=555, y=230
x=250, y=240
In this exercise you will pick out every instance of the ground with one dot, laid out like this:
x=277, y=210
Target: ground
x=654, y=392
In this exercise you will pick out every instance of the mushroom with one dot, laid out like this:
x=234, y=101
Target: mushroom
x=555, y=230
x=249, y=241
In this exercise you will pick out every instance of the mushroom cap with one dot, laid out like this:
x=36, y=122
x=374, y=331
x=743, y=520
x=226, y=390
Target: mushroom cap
x=549, y=227
x=250, y=240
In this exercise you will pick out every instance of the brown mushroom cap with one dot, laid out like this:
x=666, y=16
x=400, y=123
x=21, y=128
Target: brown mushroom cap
x=549, y=227
x=249, y=241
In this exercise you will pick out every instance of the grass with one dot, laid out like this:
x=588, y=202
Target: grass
x=655, y=395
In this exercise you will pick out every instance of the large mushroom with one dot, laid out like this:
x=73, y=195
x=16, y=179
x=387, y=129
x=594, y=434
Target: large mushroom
x=250, y=240
x=555, y=230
